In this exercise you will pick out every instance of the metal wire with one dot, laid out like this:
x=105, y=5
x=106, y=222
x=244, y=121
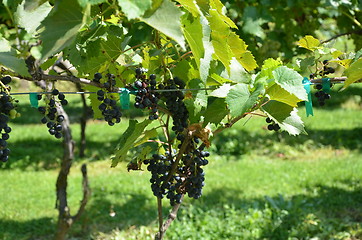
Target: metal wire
x=120, y=91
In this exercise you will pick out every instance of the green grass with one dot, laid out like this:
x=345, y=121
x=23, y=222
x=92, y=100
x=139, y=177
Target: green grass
x=259, y=184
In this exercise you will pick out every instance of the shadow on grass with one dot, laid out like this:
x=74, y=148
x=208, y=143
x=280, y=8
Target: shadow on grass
x=328, y=212
x=239, y=142
x=44, y=153
x=334, y=209
x=41, y=228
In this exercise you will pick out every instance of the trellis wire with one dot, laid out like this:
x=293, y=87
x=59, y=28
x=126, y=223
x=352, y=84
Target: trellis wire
x=312, y=82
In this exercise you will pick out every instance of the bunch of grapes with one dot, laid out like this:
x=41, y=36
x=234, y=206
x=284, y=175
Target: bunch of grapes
x=272, y=125
x=174, y=103
x=188, y=178
x=108, y=106
x=51, y=118
x=326, y=70
x=321, y=95
x=7, y=111
x=146, y=97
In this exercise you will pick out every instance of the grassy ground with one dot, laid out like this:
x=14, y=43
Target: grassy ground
x=259, y=185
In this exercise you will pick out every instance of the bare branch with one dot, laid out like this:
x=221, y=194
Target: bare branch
x=359, y=32
x=171, y=217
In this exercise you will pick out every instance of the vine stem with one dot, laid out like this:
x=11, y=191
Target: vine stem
x=171, y=217
x=160, y=217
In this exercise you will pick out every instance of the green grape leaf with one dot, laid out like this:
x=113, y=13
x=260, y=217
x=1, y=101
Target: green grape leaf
x=216, y=111
x=134, y=9
x=291, y=81
x=286, y=116
x=185, y=71
x=193, y=35
x=31, y=5
x=191, y=7
x=309, y=42
x=31, y=19
x=141, y=156
x=166, y=19
x=94, y=102
x=219, y=7
x=222, y=91
x=219, y=34
x=276, y=92
x=199, y=97
x=304, y=63
x=240, y=100
x=152, y=133
x=269, y=65
x=239, y=49
x=206, y=60
x=9, y=59
x=128, y=139
x=353, y=73
x=84, y=3
x=61, y=26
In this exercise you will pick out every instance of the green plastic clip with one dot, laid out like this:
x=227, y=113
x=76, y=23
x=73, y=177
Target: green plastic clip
x=326, y=85
x=308, y=104
x=34, y=102
x=124, y=98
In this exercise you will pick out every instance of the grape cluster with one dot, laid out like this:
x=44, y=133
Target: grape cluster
x=326, y=70
x=321, y=95
x=146, y=97
x=174, y=103
x=51, y=118
x=7, y=110
x=110, y=82
x=188, y=176
x=195, y=174
x=111, y=112
x=272, y=125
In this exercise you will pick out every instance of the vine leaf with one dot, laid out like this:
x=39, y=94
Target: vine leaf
x=190, y=6
x=219, y=34
x=216, y=111
x=222, y=91
x=276, y=92
x=31, y=19
x=309, y=42
x=218, y=6
x=152, y=133
x=269, y=65
x=353, y=73
x=239, y=49
x=286, y=116
x=166, y=19
x=128, y=139
x=61, y=26
x=205, y=61
x=9, y=59
x=239, y=99
x=291, y=81
x=193, y=35
x=134, y=9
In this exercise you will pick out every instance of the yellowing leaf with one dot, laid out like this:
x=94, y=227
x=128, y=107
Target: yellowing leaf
x=354, y=73
x=309, y=42
x=336, y=53
x=344, y=63
x=239, y=49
